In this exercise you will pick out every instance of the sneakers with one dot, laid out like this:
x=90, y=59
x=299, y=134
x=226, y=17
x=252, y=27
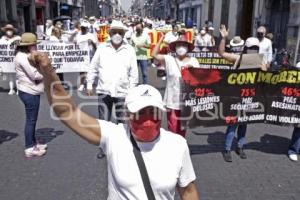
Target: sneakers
x=33, y=152
x=11, y=92
x=80, y=88
x=293, y=157
x=227, y=156
x=41, y=146
x=241, y=153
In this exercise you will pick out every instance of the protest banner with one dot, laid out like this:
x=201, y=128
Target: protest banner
x=209, y=58
x=214, y=97
x=7, y=55
x=102, y=33
x=65, y=57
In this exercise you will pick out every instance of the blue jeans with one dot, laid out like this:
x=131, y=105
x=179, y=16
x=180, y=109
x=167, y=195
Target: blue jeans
x=143, y=64
x=32, y=105
x=240, y=135
x=295, y=142
x=105, y=104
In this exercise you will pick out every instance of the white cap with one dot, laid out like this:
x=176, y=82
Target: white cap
x=211, y=28
x=252, y=41
x=298, y=65
x=143, y=96
x=202, y=32
x=85, y=23
x=117, y=25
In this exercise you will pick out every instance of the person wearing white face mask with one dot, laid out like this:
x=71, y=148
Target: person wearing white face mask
x=173, y=67
x=115, y=64
x=10, y=38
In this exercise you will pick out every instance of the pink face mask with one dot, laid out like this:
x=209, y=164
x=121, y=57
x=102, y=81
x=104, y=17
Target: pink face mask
x=145, y=129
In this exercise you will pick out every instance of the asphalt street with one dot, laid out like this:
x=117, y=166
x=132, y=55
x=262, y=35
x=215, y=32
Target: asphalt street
x=71, y=169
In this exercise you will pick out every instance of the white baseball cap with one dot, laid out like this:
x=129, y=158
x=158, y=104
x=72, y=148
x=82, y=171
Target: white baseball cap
x=252, y=41
x=85, y=23
x=143, y=96
x=298, y=65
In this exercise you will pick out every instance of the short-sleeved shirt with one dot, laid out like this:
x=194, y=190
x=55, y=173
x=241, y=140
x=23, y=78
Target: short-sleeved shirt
x=167, y=161
x=85, y=38
x=172, y=93
x=143, y=39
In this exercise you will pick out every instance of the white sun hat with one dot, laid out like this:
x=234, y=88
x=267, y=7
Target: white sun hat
x=237, y=41
x=143, y=96
x=118, y=25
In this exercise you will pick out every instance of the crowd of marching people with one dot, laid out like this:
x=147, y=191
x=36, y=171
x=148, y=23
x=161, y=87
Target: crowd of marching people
x=113, y=75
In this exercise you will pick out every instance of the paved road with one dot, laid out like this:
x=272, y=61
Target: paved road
x=70, y=170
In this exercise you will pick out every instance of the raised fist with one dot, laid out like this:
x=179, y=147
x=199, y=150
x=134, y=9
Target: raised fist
x=40, y=61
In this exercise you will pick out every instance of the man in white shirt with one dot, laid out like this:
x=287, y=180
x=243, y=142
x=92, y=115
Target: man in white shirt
x=173, y=35
x=82, y=37
x=115, y=65
x=265, y=45
x=166, y=155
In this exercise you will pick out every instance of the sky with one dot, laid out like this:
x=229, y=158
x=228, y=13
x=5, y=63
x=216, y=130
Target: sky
x=126, y=4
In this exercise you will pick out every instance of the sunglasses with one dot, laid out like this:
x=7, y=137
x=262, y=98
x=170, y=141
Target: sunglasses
x=120, y=32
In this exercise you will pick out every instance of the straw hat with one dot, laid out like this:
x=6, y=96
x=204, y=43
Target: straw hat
x=237, y=41
x=28, y=39
x=8, y=27
x=181, y=40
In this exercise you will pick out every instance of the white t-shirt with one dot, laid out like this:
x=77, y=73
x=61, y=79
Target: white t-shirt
x=173, y=90
x=167, y=161
x=170, y=37
x=265, y=47
x=85, y=38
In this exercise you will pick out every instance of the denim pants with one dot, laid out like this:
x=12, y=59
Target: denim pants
x=32, y=104
x=105, y=104
x=295, y=142
x=240, y=135
x=143, y=65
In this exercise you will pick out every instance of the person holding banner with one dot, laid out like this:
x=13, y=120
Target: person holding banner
x=30, y=86
x=90, y=38
x=173, y=66
x=10, y=38
x=294, y=149
x=251, y=47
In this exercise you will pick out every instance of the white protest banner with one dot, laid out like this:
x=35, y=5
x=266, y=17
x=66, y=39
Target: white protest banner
x=67, y=57
x=7, y=54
